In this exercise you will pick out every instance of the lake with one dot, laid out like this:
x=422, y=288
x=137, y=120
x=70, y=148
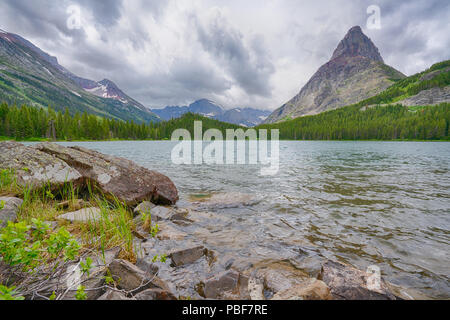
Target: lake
x=363, y=203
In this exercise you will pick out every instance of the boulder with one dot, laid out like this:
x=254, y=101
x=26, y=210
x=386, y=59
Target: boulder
x=115, y=176
x=35, y=168
x=229, y=285
x=155, y=294
x=348, y=283
x=187, y=256
x=85, y=215
x=132, y=279
x=311, y=289
x=9, y=211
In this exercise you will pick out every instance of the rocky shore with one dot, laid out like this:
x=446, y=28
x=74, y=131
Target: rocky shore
x=165, y=265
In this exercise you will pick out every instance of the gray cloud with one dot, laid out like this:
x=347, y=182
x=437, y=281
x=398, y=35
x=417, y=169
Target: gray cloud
x=227, y=45
x=248, y=54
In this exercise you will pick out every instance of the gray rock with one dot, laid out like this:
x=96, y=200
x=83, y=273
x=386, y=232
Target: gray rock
x=433, y=96
x=116, y=176
x=10, y=208
x=145, y=207
x=35, y=168
x=112, y=295
x=348, y=283
x=311, y=289
x=132, y=279
x=155, y=294
x=85, y=215
x=187, y=256
x=168, y=231
x=72, y=277
x=161, y=213
x=230, y=285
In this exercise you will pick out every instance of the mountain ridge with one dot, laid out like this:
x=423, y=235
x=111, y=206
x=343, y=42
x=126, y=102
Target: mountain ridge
x=356, y=71
x=28, y=75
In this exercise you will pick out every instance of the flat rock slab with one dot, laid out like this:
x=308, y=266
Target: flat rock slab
x=168, y=231
x=85, y=215
x=187, y=256
x=116, y=176
x=35, y=168
x=9, y=211
x=348, y=283
x=230, y=285
x=311, y=289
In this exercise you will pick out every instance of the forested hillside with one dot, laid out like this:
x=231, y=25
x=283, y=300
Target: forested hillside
x=370, y=123
x=349, y=123
x=25, y=123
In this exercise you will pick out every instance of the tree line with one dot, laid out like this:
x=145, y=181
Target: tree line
x=390, y=122
x=28, y=122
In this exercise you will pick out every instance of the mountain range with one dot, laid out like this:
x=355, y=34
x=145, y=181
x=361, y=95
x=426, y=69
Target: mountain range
x=355, y=72
x=247, y=117
x=30, y=75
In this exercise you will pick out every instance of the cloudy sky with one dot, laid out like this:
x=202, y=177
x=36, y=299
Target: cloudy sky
x=252, y=53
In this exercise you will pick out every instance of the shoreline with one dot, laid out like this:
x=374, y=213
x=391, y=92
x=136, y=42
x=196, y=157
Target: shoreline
x=156, y=233
x=37, y=140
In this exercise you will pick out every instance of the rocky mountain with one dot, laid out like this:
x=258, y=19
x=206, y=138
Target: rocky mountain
x=241, y=116
x=29, y=75
x=355, y=72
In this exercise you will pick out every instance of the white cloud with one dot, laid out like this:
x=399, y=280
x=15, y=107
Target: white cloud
x=249, y=53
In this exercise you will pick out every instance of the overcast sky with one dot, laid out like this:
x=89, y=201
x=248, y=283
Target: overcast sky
x=239, y=53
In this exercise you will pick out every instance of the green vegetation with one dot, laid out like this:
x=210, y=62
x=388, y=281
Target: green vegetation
x=366, y=120
x=35, y=249
x=374, y=123
x=437, y=76
x=33, y=124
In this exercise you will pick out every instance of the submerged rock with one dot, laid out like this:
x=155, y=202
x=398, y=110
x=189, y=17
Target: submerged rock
x=9, y=211
x=35, y=168
x=348, y=283
x=115, y=176
x=311, y=289
x=224, y=201
x=168, y=231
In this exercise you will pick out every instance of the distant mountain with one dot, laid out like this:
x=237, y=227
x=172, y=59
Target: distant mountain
x=247, y=117
x=355, y=72
x=244, y=117
x=29, y=75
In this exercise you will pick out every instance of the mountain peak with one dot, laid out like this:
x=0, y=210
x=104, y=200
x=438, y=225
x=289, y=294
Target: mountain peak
x=356, y=43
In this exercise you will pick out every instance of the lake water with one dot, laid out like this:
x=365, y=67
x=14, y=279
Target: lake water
x=363, y=203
